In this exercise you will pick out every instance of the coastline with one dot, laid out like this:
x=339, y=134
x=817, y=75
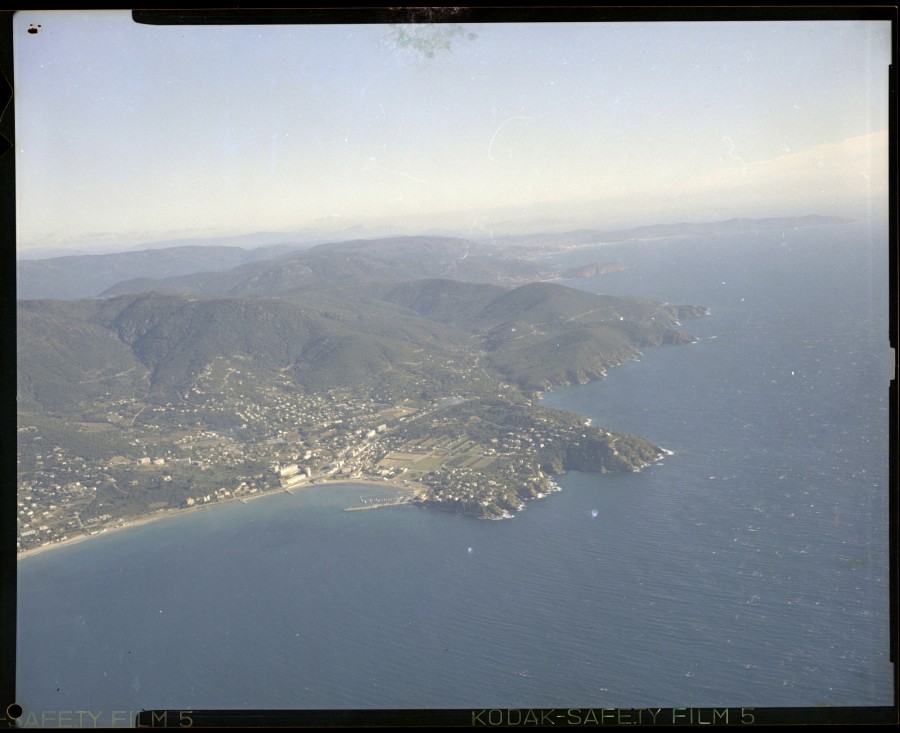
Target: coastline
x=410, y=487
x=136, y=521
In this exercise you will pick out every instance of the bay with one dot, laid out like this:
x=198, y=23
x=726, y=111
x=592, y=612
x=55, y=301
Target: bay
x=747, y=569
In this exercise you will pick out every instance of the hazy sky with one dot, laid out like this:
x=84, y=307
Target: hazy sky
x=131, y=133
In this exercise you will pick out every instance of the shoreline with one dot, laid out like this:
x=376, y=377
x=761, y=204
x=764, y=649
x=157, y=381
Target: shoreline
x=136, y=521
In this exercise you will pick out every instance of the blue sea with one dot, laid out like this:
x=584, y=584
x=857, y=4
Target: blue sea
x=749, y=568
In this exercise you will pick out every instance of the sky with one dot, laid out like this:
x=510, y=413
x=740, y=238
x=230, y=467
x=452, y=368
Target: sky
x=129, y=133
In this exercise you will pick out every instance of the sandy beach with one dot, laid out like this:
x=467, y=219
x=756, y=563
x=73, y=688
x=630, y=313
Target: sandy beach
x=410, y=487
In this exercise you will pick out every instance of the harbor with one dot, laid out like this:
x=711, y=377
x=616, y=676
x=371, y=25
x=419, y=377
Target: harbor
x=378, y=502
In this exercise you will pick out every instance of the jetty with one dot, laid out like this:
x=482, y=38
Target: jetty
x=378, y=503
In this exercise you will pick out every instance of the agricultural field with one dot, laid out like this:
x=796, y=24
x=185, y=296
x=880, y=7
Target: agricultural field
x=438, y=453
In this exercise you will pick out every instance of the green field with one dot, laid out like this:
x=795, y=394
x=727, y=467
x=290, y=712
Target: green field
x=445, y=452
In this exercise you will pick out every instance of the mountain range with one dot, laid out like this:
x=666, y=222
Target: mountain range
x=275, y=269
x=417, y=357
x=392, y=311
x=365, y=334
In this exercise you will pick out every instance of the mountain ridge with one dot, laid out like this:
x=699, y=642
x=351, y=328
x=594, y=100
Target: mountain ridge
x=273, y=269
x=537, y=335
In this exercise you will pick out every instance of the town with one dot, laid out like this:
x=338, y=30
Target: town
x=235, y=434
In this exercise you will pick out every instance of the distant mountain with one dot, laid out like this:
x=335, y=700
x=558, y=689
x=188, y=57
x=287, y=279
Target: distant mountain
x=280, y=268
x=355, y=261
x=592, y=270
x=552, y=240
x=86, y=276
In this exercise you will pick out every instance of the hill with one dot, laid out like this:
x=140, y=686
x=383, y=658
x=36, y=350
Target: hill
x=85, y=276
x=358, y=261
x=360, y=336
x=151, y=401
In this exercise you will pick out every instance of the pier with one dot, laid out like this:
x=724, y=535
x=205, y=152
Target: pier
x=377, y=503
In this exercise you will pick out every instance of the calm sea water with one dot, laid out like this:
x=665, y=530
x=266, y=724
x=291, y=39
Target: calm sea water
x=747, y=569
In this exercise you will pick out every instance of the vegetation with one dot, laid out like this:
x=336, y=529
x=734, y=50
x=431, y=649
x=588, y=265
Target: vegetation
x=151, y=401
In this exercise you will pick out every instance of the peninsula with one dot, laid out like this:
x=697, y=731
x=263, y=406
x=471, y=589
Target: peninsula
x=147, y=403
